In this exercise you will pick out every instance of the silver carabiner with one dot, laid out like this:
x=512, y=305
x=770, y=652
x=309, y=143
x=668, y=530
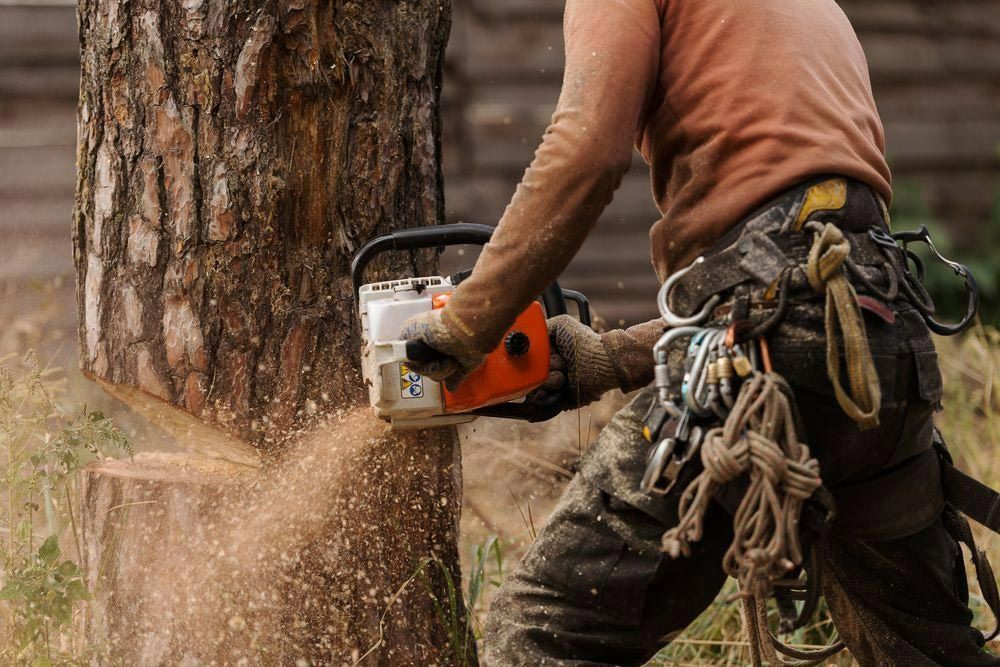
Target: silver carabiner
x=699, y=373
x=663, y=301
x=661, y=354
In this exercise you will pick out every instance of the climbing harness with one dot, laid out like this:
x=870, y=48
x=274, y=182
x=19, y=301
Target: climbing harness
x=759, y=438
x=729, y=411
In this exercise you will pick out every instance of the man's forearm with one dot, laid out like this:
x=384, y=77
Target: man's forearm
x=631, y=351
x=612, y=61
x=555, y=208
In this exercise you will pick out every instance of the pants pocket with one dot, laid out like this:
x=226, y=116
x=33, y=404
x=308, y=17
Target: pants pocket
x=579, y=555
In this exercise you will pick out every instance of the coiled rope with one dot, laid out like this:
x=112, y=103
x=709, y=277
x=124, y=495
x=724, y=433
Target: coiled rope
x=825, y=270
x=760, y=438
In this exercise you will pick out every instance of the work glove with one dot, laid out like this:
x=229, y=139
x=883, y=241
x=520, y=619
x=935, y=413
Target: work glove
x=580, y=361
x=458, y=357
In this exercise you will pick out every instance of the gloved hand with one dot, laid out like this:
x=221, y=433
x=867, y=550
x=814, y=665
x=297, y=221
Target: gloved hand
x=580, y=359
x=459, y=358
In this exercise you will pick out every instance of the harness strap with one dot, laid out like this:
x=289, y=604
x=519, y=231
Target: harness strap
x=739, y=263
x=826, y=274
x=971, y=497
x=959, y=528
x=894, y=503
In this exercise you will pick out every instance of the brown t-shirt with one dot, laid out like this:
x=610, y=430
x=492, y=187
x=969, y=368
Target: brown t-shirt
x=730, y=101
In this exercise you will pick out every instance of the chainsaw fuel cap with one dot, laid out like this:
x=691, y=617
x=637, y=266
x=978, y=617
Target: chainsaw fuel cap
x=517, y=343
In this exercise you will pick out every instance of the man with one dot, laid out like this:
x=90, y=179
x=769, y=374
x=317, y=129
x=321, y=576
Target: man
x=752, y=115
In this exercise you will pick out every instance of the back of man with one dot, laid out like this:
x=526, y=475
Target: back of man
x=766, y=150
x=751, y=99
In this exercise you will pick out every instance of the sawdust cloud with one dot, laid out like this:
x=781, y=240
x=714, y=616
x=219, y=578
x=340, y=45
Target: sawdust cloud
x=293, y=564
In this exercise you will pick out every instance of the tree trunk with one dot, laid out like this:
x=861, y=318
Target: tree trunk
x=231, y=158
x=199, y=561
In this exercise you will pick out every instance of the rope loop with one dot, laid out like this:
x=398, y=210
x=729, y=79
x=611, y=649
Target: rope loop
x=827, y=256
x=758, y=440
x=825, y=270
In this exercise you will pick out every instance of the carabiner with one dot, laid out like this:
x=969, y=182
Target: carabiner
x=695, y=379
x=663, y=301
x=661, y=355
x=923, y=235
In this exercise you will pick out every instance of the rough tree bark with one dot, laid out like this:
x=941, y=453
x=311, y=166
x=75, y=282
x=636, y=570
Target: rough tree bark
x=232, y=156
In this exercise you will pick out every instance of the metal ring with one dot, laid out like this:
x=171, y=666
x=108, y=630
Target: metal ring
x=663, y=299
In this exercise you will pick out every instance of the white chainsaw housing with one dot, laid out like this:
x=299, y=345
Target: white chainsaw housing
x=398, y=395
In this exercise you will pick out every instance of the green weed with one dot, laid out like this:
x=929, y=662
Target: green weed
x=43, y=444
x=460, y=613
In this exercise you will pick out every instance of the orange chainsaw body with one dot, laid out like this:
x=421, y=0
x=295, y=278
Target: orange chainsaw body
x=518, y=366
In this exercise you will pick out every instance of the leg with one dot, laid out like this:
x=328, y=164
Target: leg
x=903, y=602
x=594, y=587
x=894, y=601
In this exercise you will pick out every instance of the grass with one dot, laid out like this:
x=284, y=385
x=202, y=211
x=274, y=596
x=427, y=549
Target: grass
x=43, y=443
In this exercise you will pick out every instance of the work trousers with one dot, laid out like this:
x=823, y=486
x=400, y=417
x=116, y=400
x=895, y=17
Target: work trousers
x=595, y=588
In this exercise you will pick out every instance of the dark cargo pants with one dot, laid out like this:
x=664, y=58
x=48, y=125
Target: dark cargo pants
x=595, y=589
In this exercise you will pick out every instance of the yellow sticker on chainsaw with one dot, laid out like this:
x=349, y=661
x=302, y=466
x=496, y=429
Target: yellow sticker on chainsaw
x=411, y=385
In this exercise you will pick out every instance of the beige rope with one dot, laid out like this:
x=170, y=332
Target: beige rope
x=825, y=271
x=759, y=436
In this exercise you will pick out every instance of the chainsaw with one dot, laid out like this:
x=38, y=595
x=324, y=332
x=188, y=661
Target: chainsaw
x=499, y=388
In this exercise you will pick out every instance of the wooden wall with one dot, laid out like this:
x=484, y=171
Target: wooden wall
x=935, y=67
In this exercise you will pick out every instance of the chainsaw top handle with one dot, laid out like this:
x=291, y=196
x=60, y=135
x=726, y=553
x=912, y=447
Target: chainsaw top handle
x=442, y=236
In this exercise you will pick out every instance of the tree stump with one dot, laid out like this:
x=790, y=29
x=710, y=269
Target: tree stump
x=232, y=157
x=194, y=559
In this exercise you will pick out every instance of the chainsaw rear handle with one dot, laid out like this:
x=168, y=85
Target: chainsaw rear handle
x=441, y=236
x=530, y=409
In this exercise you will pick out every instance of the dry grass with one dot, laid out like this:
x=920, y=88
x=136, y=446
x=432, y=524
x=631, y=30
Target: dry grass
x=515, y=473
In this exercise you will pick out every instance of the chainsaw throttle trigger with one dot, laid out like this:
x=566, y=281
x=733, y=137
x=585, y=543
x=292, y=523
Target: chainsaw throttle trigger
x=422, y=353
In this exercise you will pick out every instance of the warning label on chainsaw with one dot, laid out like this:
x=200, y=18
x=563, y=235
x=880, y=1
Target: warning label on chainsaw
x=411, y=384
